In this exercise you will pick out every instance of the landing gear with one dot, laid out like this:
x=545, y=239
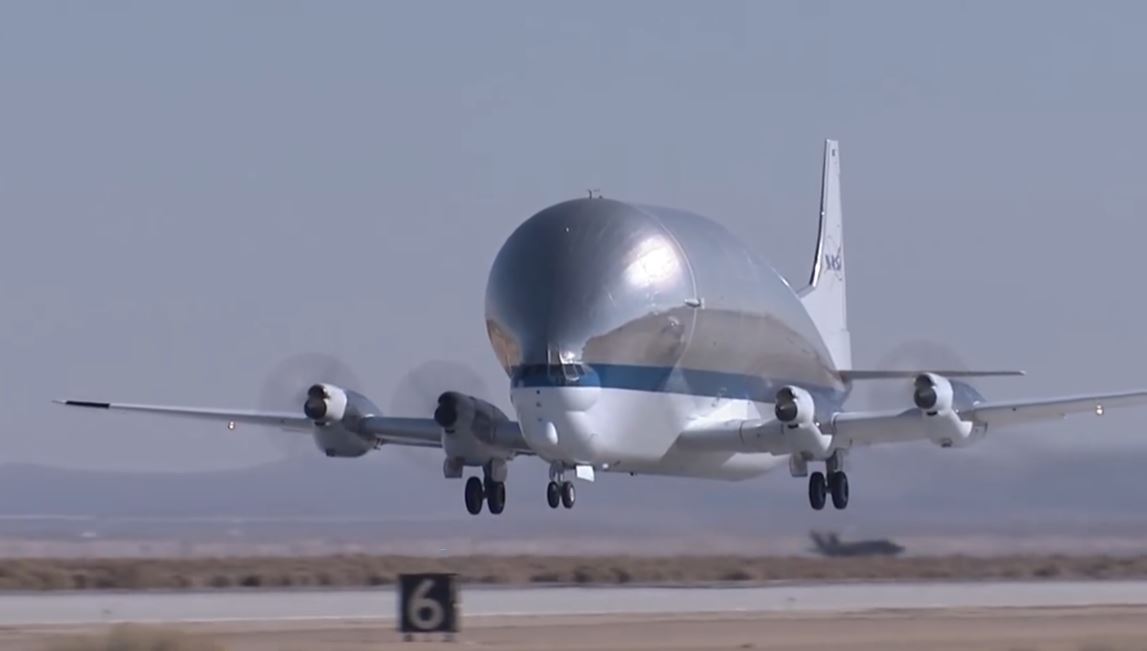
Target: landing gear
x=817, y=490
x=553, y=494
x=490, y=489
x=475, y=495
x=822, y=485
x=838, y=486
x=561, y=493
x=495, y=495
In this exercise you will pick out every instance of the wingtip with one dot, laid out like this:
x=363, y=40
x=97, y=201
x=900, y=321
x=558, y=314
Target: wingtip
x=83, y=403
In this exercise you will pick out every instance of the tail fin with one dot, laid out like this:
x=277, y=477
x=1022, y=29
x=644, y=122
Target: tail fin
x=824, y=298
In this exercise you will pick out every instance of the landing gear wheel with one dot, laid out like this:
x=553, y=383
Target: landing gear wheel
x=553, y=495
x=817, y=490
x=496, y=496
x=569, y=495
x=475, y=494
x=838, y=486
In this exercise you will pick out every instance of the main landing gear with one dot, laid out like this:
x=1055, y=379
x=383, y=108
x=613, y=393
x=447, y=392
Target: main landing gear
x=493, y=493
x=488, y=490
x=822, y=486
x=478, y=491
x=820, y=489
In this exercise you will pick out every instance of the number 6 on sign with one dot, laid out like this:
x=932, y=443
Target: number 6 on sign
x=426, y=603
x=426, y=614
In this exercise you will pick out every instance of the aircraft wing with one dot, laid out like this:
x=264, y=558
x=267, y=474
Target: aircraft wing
x=866, y=428
x=861, y=374
x=1025, y=411
x=422, y=432
x=285, y=419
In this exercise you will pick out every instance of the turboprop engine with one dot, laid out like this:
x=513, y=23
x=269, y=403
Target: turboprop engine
x=794, y=407
x=458, y=413
x=796, y=410
x=933, y=393
x=475, y=432
x=936, y=397
x=336, y=413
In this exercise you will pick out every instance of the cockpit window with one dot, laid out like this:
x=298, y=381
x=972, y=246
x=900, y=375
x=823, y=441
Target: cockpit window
x=556, y=375
x=571, y=372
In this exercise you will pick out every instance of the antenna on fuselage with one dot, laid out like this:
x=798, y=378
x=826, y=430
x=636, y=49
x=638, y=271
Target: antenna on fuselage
x=594, y=193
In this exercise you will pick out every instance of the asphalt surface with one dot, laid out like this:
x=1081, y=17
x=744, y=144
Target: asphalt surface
x=81, y=608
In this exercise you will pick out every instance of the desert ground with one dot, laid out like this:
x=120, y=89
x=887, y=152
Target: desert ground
x=50, y=574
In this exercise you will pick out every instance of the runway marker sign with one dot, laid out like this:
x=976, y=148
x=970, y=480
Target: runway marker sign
x=427, y=604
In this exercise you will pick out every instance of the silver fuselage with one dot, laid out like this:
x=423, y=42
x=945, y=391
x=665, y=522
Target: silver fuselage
x=619, y=324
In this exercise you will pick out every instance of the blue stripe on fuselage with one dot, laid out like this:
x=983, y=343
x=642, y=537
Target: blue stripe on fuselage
x=659, y=379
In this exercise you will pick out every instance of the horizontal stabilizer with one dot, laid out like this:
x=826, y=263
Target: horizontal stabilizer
x=853, y=375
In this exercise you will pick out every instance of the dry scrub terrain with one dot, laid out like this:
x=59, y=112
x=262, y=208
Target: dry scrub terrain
x=364, y=570
x=133, y=638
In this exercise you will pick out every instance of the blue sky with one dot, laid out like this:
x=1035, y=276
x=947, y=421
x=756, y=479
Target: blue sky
x=194, y=191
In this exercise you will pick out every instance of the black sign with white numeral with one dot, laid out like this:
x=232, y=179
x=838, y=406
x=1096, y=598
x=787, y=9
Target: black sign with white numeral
x=426, y=603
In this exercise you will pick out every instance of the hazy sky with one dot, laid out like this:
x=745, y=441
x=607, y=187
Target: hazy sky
x=192, y=192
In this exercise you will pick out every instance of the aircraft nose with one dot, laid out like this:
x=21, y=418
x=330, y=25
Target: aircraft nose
x=587, y=282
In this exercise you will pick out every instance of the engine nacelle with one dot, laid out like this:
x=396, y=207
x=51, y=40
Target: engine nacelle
x=459, y=413
x=794, y=407
x=336, y=413
x=937, y=399
x=325, y=404
x=800, y=434
x=932, y=393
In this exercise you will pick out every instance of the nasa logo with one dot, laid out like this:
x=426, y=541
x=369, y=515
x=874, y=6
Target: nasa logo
x=834, y=262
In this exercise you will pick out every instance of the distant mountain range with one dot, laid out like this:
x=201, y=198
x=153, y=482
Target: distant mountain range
x=915, y=490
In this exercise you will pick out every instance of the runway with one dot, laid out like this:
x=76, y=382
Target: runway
x=81, y=608
x=1045, y=616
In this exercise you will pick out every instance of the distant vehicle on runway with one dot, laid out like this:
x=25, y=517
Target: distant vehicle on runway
x=829, y=544
x=652, y=341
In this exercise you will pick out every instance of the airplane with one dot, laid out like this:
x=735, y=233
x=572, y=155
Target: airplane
x=829, y=544
x=652, y=341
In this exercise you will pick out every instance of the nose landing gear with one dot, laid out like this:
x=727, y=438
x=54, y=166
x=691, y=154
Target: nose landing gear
x=561, y=493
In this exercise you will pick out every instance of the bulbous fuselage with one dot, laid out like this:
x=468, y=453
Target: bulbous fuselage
x=602, y=283
x=595, y=296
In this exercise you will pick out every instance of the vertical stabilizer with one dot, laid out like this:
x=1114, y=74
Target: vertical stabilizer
x=824, y=298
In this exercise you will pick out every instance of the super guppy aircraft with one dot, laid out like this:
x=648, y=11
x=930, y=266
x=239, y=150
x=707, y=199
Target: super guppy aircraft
x=647, y=340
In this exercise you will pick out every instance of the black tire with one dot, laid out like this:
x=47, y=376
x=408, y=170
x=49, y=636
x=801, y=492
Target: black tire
x=838, y=486
x=553, y=495
x=475, y=495
x=569, y=495
x=817, y=490
x=496, y=496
